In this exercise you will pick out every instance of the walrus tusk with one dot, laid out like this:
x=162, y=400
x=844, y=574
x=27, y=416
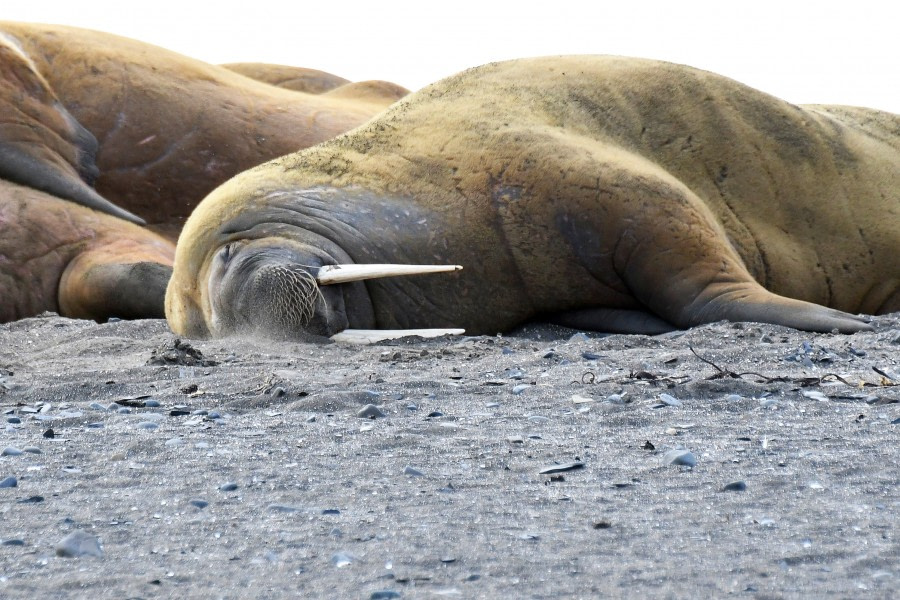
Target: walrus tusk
x=369, y=336
x=331, y=274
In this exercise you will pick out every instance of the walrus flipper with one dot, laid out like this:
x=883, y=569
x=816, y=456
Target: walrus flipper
x=20, y=166
x=102, y=290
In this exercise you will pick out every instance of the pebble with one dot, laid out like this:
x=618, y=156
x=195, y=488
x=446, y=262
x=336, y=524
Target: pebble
x=97, y=406
x=11, y=451
x=669, y=400
x=199, y=503
x=735, y=486
x=616, y=398
x=384, y=595
x=412, y=471
x=370, y=411
x=733, y=398
x=9, y=482
x=152, y=404
x=176, y=441
x=341, y=559
x=516, y=374
x=228, y=487
x=13, y=542
x=31, y=450
x=680, y=457
x=590, y=356
x=814, y=395
x=148, y=425
x=520, y=388
x=13, y=420
x=78, y=544
x=572, y=466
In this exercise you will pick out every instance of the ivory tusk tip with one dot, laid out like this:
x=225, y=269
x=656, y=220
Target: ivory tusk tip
x=331, y=274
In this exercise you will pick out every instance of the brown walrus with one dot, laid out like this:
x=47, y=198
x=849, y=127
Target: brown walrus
x=55, y=254
x=171, y=128
x=604, y=193
x=299, y=79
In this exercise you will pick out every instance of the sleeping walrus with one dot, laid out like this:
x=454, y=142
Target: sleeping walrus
x=603, y=193
x=171, y=128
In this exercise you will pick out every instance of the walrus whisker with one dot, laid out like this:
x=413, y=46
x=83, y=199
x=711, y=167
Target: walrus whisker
x=369, y=336
x=332, y=274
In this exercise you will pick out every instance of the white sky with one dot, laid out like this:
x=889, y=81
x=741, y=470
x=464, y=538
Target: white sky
x=805, y=52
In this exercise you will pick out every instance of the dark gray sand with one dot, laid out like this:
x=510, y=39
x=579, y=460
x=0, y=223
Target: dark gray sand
x=242, y=469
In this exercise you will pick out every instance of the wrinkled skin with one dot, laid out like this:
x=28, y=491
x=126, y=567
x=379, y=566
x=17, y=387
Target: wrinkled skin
x=170, y=128
x=604, y=193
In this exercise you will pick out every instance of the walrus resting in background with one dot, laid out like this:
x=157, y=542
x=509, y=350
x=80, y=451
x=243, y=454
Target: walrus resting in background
x=171, y=128
x=604, y=193
x=56, y=255
x=57, y=252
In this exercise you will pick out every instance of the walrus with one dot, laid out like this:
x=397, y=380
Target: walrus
x=299, y=79
x=171, y=128
x=603, y=193
x=56, y=255
x=58, y=250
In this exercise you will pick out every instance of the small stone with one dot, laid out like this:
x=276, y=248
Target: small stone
x=370, y=411
x=13, y=420
x=97, y=406
x=152, y=404
x=228, y=487
x=572, y=466
x=515, y=439
x=435, y=413
x=681, y=457
x=384, y=595
x=735, y=486
x=13, y=542
x=147, y=425
x=78, y=544
x=9, y=482
x=199, y=503
x=814, y=395
x=341, y=559
x=173, y=442
x=31, y=450
x=31, y=500
x=11, y=451
x=518, y=389
x=413, y=472
x=616, y=398
x=49, y=434
x=733, y=398
x=590, y=356
x=669, y=400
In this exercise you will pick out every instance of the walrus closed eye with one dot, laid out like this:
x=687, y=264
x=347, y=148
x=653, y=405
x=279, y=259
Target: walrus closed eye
x=604, y=193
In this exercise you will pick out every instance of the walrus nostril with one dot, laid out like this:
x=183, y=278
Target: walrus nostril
x=286, y=293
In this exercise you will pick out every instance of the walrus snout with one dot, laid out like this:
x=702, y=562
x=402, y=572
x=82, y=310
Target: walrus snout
x=271, y=291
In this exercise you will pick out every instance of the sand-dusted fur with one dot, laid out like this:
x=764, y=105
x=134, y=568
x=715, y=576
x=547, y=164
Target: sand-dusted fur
x=611, y=193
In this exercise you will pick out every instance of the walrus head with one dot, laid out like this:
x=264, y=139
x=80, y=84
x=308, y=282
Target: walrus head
x=270, y=273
